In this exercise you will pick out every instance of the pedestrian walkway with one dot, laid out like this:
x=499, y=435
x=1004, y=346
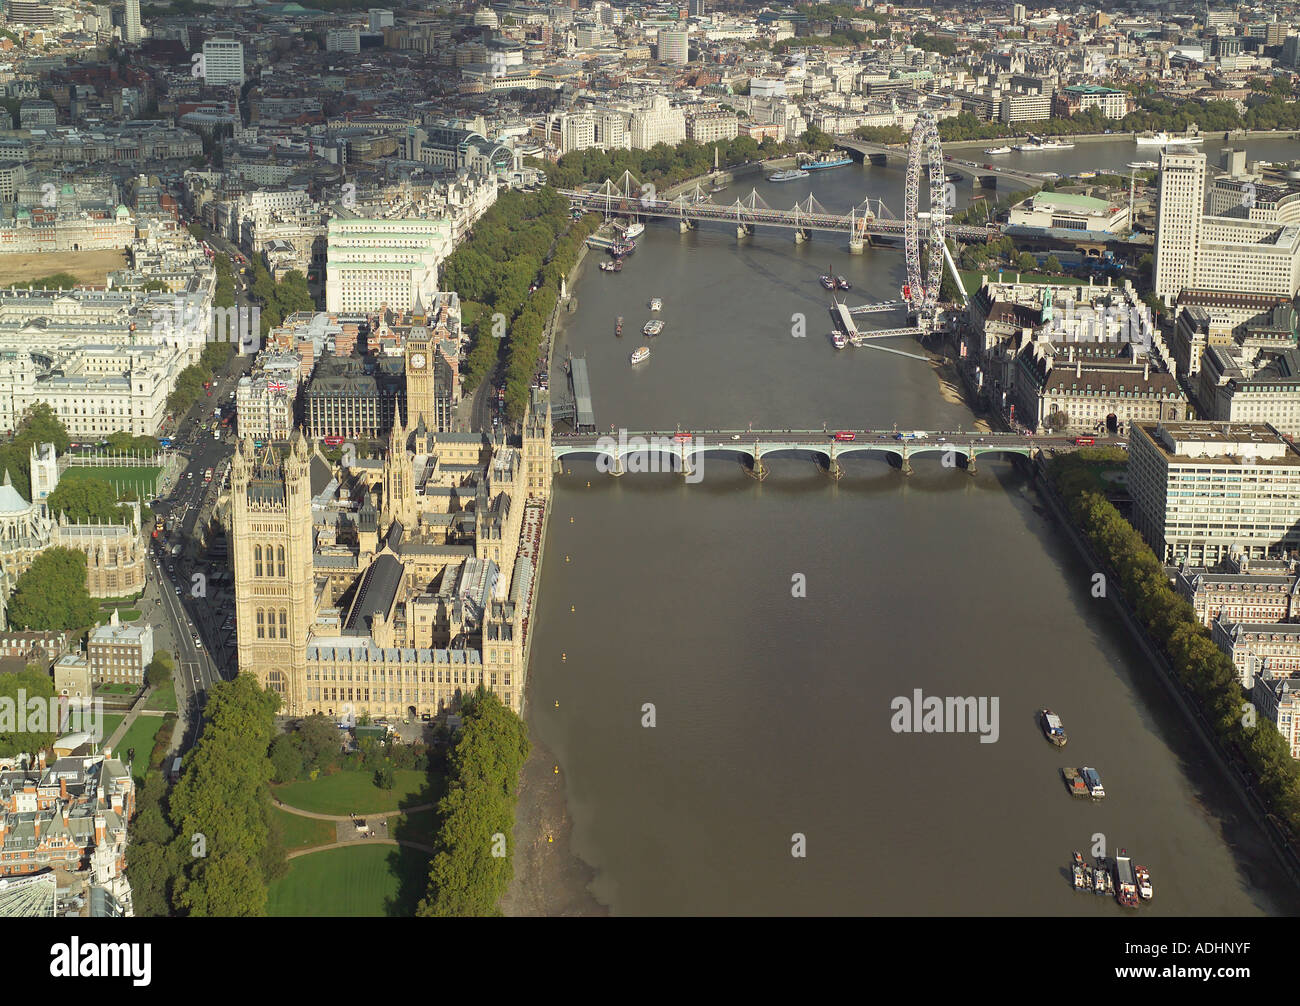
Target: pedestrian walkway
x=374, y=841
x=349, y=817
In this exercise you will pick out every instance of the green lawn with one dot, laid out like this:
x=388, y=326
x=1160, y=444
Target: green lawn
x=364, y=880
x=110, y=722
x=143, y=480
x=122, y=688
x=353, y=792
x=304, y=832
x=141, y=737
x=163, y=698
x=417, y=827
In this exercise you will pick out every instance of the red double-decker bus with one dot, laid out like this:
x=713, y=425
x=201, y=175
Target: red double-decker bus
x=1084, y=441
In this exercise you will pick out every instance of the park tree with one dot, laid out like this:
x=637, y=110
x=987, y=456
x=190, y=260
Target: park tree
x=318, y=738
x=89, y=500
x=26, y=727
x=224, y=795
x=1027, y=263
x=286, y=758
x=52, y=593
x=160, y=669
x=1052, y=266
x=465, y=878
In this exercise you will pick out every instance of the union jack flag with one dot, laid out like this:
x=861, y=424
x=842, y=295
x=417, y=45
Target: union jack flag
x=276, y=386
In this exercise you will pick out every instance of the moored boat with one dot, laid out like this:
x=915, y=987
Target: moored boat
x=838, y=340
x=842, y=284
x=827, y=281
x=1126, y=884
x=1143, y=878
x=1080, y=872
x=635, y=229
x=997, y=150
x=1093, y=781
x=826, y=161
x=1144, y=165
x=1053, y=728
x=1073, y=782
x=640, y=354
x=790, y=175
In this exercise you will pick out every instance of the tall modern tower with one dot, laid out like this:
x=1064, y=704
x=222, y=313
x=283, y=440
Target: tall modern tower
x=674, y=45
x=131, y=22
x=1178, y=225
x=223, y=61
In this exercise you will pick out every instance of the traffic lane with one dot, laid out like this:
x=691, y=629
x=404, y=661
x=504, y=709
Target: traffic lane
x=203, y=672
x=185, y=653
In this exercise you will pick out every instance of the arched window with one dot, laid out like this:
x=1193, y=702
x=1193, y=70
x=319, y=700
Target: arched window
x=257, y=560
x=279, y=556
x=284, y=624
x=261, y=626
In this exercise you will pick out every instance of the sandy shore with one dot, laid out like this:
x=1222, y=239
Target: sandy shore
x=549, y=879
x=950, y=387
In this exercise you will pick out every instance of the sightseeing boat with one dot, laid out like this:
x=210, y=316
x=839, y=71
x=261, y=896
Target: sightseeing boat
x=640, y=355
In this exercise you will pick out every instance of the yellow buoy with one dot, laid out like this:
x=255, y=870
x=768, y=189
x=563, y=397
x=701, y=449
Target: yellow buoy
x=570, y=520
x=564, y=656
x=572, y=608
x=557, y=703
x=557, y=769
x=550, y=839
x=566, y=558
x=588, y=485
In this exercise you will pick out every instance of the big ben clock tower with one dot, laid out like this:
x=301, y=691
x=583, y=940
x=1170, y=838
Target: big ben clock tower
x=419, y=369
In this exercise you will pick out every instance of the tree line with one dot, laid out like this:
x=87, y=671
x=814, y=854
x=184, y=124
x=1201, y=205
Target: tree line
x=473, y=865
x=508, y=275
x=1171, y=621
x=212, y=846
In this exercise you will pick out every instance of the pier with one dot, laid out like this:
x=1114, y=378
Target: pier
x=578, y=409
x=842, y=317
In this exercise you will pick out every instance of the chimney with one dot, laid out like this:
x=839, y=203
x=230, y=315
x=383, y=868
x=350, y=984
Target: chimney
x=100, y=828
x=36, y=827
x=63, y=789
x=1146, y=371
x=40, y=760
x=65, y=815
x=1078, y=368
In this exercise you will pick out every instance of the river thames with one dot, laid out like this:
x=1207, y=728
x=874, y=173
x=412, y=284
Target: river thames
x=772, y=711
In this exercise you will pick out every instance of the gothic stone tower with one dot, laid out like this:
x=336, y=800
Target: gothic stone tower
x=272, y=534
x=538, y=464
x=399, y=485
x=419, y=369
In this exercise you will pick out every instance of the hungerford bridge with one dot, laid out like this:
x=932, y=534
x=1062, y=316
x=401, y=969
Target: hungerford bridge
x=872, y=219
x=687, y=450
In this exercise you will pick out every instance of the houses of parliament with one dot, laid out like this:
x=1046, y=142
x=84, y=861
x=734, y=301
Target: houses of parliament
x=391, y=586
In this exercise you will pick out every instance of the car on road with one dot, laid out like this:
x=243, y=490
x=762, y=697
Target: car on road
x=178, y=591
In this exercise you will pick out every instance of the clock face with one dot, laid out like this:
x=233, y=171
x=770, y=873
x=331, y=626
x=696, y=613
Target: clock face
x=417, y=361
